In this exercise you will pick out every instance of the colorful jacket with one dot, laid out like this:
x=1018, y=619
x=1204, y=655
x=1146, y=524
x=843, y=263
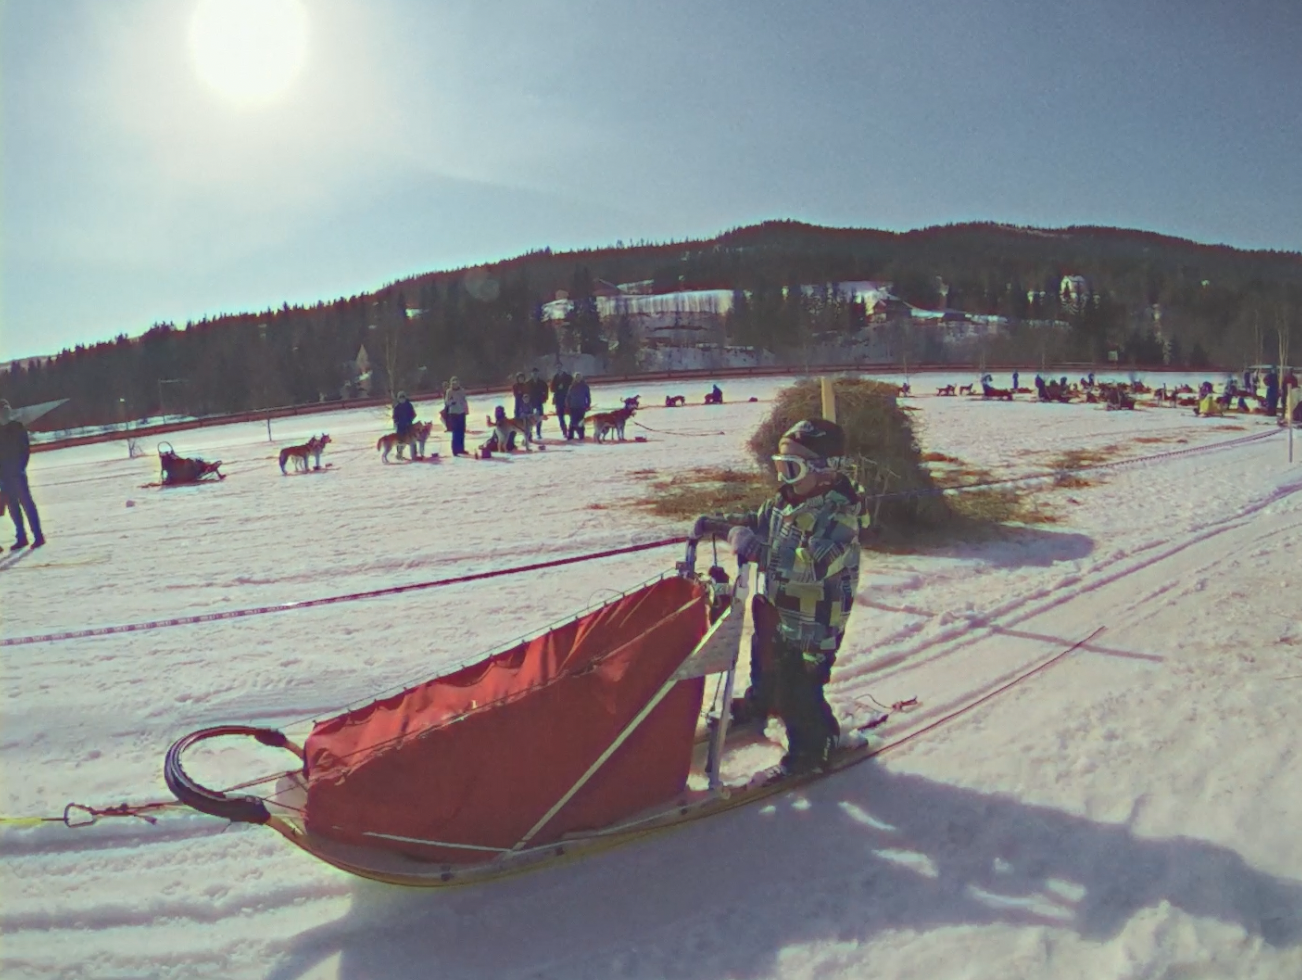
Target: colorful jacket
x=810, y=559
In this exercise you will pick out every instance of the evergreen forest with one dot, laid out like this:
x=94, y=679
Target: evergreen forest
x=1152, y=301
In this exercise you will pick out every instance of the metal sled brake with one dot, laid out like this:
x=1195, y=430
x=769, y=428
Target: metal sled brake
x=573, y=741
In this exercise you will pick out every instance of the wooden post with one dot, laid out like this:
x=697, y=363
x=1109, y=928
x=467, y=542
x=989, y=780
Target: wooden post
x=829, y=399
x=1290, y=406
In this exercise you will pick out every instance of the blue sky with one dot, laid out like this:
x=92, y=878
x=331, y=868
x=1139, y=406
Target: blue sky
x=425, y=135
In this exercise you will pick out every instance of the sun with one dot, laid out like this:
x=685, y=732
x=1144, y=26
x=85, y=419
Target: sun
x=248, y=51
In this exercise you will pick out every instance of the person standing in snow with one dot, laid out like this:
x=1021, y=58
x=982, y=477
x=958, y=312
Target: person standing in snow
x=1272, y=393
x=15, y=450
x=456, y=407
x=561, y=382
x=404, y=414
x=537, y=400
x=806, y=541
x=519, y=391
x=577, y=403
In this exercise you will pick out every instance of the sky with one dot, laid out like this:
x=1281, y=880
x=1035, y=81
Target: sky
x=1129, y=811
x=152, y=172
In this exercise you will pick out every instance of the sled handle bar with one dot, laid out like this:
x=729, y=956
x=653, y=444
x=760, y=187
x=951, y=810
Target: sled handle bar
x=239, y=809
x=687, y=567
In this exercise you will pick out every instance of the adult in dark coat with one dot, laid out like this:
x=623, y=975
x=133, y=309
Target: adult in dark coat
x=1272, y=393
x=537, y=399
x=15, y=449
x=561, y=382
x=577, y=403
x=404, y=414
x=520, y=392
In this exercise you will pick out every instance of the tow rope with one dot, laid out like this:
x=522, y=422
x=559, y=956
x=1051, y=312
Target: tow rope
x=142, y=810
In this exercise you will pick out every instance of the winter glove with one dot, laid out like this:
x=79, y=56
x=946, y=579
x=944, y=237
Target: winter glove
x=710, y=525
x=745, y=543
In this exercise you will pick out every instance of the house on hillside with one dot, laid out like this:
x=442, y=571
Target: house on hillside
x=359, y=374
x=1074, y=293
x=686, y=317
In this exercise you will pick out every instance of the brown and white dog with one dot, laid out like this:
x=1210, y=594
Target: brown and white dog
x=504, y=428
x=605, y=423
x=414, y=438
x=299, y=454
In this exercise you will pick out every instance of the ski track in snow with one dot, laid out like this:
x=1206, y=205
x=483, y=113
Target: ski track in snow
x=1083, y=824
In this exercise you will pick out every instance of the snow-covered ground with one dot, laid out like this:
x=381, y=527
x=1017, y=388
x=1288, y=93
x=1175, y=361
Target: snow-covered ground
x=1130, y=812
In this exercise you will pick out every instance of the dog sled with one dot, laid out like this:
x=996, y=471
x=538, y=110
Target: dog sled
x=595, y=732
x=180, y=470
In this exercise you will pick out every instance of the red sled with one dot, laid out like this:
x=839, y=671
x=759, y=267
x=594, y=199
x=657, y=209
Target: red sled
x=588, y=735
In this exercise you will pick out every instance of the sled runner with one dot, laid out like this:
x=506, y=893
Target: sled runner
x=179, y=470
x=573, y=741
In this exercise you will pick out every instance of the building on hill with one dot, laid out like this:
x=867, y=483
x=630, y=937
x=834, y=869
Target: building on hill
x=1074, y=293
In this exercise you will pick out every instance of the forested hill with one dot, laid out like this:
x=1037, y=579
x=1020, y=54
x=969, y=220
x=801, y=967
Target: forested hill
x=1149, y=296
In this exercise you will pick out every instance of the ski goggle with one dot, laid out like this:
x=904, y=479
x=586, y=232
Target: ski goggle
x=793, y=469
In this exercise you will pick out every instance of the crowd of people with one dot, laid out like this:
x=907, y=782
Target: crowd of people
x=570, y=396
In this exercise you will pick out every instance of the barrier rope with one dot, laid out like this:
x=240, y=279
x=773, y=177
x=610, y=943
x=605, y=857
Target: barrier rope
x=1057, y=474
x=670, y=432
x=153, y=624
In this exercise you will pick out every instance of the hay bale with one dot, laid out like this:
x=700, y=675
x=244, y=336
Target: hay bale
x=880, y=446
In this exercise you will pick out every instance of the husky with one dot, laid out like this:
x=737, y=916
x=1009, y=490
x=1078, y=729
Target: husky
x=504, y=429
x=605, y=423
x=299, y=454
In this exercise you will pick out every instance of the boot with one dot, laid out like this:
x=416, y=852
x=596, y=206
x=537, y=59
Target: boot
x=21, y=543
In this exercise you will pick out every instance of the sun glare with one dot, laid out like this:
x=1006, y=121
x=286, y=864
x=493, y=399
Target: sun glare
x=248, y=51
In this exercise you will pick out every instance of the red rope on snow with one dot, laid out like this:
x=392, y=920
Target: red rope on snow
x=329, y=600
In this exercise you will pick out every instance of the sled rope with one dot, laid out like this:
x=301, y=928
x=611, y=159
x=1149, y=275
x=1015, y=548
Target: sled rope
x=154, y=624
x=79, y=815
x=1056, y=658
x=143, y=810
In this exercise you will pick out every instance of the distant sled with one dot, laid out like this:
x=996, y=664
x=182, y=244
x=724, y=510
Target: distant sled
x=185, y=470
x=449, y=782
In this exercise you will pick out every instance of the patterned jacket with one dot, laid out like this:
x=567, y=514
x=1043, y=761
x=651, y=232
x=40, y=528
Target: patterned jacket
x=810, y=559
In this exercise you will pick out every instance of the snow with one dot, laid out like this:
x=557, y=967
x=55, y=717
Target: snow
x=1129, y=811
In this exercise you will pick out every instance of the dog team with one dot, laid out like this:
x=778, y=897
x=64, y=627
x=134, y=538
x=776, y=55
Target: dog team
x=571, y=402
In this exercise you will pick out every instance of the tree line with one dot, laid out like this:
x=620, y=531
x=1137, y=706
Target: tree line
x=1149, y=300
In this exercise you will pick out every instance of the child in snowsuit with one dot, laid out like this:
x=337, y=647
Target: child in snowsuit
x=806, y=541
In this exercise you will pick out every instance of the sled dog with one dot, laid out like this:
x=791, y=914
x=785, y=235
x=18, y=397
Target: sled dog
x=503, y=428
x=414, y=438
x=606, y=423
x=299, y=454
